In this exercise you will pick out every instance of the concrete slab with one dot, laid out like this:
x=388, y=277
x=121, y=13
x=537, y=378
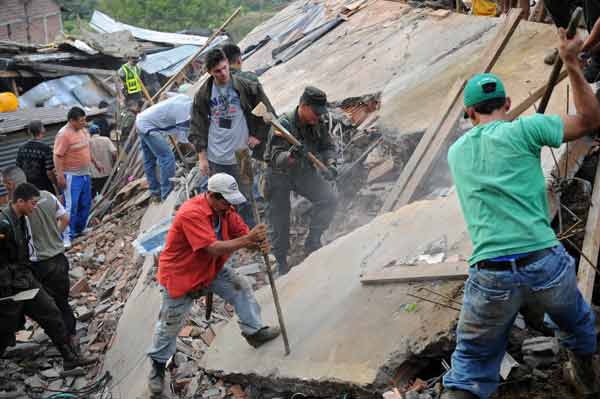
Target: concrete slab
x=343, y=333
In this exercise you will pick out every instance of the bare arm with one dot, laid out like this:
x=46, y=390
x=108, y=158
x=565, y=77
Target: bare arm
x=63, y=222
x=257, y=237
x=592, y=40
x=219, y=248
x=587, y=117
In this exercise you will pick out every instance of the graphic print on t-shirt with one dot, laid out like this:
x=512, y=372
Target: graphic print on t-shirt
x=228, y=131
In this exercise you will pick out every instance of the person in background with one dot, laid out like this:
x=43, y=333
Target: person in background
x=3, y=194
x=128, y=115
x=130, y=74
x=73, y=162
x=168, y=117
x=104, y=152
x=35, y=158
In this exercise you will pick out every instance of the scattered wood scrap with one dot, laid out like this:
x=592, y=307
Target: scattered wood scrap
x=591, y=244
x=415, y=273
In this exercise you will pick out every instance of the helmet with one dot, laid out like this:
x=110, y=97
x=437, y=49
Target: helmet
x=8, y=102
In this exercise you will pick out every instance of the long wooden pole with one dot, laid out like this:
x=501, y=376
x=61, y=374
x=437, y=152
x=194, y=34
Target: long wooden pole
x=216, y=33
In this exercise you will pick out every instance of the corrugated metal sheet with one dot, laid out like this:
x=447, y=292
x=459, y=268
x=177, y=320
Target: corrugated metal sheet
x=11, y=122
x=105, y=24
x=11, y=143
x=13, y=129
x=68, y=91
x=169, y=62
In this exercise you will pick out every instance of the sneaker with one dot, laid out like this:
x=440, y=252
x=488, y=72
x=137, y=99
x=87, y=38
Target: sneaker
x=457, y=394
x=156, y=379
x=263, y=335
x=582, y=373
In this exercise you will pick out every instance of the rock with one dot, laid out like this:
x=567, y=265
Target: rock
x=196, y=332
x=385, y=171
x=34, y=381
x=179, y=359
x=249, y=269
x=186, y=370
x=411, y=395
x=192, y=388
x=77, y=273
x=185, y=331
x=208, y=336
x=80, y=382
x=83, y=313
x=101, y=309
x=56, y=385
x=107, y=292
x=50, y=374
x=80, y=287
x=21, y=350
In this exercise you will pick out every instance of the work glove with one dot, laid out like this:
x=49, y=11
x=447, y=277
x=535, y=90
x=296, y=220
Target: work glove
x=297, y=152
x=331, y=173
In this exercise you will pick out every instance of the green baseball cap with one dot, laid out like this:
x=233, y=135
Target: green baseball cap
x=483, y=87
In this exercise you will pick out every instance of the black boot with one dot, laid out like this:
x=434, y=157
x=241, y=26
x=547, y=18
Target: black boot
x=312, y=242
x=582, y=372
x=263, y=335
x=156, y=379
x=71, y=359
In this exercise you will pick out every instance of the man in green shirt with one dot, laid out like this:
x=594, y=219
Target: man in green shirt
x=517, y=261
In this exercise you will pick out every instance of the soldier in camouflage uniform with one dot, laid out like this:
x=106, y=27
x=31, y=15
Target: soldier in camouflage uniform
x=289, y=169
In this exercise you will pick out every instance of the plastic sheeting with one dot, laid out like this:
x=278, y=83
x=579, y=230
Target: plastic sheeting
x=68, y=91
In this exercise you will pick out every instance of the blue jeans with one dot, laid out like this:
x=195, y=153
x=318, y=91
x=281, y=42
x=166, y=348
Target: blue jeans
x=245, y=209
x=155, y=147
x=230, y=286
x=78, y=202
x=491, y=302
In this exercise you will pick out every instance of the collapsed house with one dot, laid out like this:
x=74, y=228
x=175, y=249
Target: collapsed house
x=376, y=308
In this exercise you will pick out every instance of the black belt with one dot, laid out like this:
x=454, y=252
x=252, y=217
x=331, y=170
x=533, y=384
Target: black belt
x=520, y=262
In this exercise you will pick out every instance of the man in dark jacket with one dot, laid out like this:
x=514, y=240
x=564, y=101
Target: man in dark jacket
x=16, y=276
x=223, y=125
x=289, y=169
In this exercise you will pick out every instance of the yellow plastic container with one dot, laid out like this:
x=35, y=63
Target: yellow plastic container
x=8, y=102
x=484, y=8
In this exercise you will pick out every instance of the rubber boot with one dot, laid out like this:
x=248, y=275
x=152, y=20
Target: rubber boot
x=71, y=359
x=263, y=335
x=457, y=394
x=582, y=373
x=156, y=379
x=312, y=242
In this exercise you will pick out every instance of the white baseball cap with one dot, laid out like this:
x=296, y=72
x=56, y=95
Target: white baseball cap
x=226, y=185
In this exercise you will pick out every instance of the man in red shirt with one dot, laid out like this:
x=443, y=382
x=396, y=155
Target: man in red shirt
x=205, y=232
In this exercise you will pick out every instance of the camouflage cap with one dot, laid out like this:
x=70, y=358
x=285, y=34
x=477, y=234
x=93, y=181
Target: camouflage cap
x=316, y=98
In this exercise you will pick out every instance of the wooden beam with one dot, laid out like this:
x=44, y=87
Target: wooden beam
x=427, y=151
x=416, y=273
x=68, y=69
x=27, y=74
x=591, y=243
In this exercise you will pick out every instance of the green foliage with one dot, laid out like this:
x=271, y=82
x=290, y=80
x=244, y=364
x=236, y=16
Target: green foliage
x=173, y=15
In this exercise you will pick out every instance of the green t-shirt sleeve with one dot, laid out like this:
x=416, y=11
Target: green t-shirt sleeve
x=542, y=130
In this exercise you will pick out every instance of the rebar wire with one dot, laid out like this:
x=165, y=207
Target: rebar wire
x=441, y=295
x=434, y=302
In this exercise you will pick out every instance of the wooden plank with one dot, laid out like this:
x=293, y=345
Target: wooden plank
x=69, y=69
x=415, y=273
x=420, y=163
x=591, y=244
x=423, y=146
x=27, y=74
